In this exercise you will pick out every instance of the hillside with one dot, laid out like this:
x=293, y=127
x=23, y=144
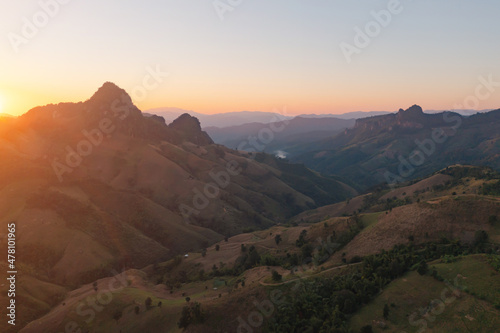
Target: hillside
x=335, y=262
x=95, y=187
x=406, y=145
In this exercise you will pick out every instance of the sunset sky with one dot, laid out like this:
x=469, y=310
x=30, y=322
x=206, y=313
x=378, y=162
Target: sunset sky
x=263, y=54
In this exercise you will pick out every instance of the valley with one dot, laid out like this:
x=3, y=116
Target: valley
x=126, y=223
x=250, y=166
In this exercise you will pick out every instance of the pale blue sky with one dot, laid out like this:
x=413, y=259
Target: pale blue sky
x=263, y=55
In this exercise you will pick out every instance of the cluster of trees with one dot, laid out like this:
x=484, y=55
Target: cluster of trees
x=373, y=201
x=492, y=188
x=326, y=303
x=191, y=314
x=460, y=172
x=249, y=258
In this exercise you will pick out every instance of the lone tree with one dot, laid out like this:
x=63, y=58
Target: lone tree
x=422, y=268
x=148, y=303
x=386, y=311
x=367, y=329
x=95, y=285
x=217, y=247
x=276, y=276
x=137, y=309
x=118, y=314
x=188, y=299
x=277, y=239
x=302, y=239
x=203, y=252
x=480, y=237
x=159, y=304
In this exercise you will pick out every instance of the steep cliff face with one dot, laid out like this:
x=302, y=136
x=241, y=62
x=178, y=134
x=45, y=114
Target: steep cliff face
x=190, y=129
x=411, y=119
x=378, y=144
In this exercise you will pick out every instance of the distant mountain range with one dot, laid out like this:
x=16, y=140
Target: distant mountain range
x=279, y=138
x=220, y=119
x=230, y=119
x=405, y=145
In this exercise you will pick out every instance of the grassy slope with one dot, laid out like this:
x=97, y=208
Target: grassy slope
x=408, y=293
x=446, y=206
x=413, y=292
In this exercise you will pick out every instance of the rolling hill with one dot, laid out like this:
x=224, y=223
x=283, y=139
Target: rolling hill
x=353, y=265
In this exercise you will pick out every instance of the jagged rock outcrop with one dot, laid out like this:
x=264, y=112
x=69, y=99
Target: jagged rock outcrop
x=190, y=129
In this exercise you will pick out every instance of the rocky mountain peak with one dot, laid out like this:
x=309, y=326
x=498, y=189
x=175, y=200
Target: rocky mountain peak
x=108, y=93
x=190, y=127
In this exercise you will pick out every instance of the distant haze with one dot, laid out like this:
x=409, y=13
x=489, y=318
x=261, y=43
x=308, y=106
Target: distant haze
x=229, y=119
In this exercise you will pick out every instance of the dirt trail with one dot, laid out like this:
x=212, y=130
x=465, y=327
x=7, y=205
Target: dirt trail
x=309, y=276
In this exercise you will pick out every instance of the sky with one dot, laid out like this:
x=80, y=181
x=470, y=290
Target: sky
x=258, y=55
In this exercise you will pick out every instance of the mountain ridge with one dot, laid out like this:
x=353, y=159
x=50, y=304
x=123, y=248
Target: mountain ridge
x=384, y=144
x=100, y=173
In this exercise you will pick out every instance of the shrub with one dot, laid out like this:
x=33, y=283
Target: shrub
x=118, y=314
x=355, y=259
x=277, y=239
x=386, y=311
x=148, y=303
x=480, y=237
x=276, y=276
x=366, y=329
x=302, y=239
x=422, y=268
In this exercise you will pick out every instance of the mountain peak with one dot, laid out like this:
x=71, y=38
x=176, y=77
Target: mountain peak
x=412, y=114
x=413, y=110
x=191, y=129
x=186, y=122
x=110, y=92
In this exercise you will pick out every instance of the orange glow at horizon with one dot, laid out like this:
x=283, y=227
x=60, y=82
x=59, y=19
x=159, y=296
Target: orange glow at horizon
x=210, y=100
